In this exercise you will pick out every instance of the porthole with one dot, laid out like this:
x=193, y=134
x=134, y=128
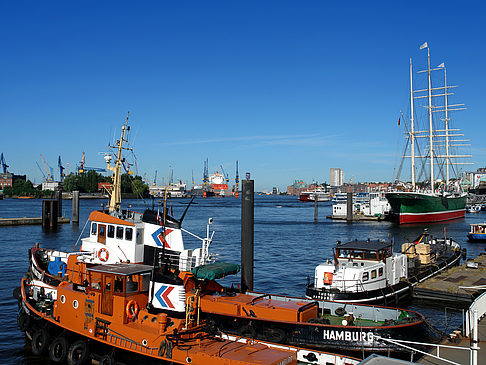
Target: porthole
x=188, y=360
x=63, y=299
x=144, y=342
x=154, y=319
x=75, y=304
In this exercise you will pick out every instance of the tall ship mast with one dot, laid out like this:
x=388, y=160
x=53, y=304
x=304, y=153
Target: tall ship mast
x=438, y=197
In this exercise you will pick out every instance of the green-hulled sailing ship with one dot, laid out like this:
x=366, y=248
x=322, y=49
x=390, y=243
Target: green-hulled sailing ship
x=439, y=197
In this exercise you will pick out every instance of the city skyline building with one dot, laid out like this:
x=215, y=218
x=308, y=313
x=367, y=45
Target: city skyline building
x=337, y=176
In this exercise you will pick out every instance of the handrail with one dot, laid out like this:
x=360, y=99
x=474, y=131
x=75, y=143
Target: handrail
x=437, y=346
x=304, y=307
x=261, y=297
x=479, y=304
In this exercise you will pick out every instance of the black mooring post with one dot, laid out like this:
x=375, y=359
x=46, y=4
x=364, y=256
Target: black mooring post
x=75, y=207
x=247, y=202
x=349, y=206
x=59, y=202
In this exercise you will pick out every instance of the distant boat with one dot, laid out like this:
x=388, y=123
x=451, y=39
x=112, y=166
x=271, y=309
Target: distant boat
x=473, y=208
x=477, y=232
x=26, y=197
x=313, y=195
x=439, y=200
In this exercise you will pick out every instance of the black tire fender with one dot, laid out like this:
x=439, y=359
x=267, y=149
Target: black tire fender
x=78, y=353
x=40, y=341
x=58, y=350
x=23, y=321
x=107, y=360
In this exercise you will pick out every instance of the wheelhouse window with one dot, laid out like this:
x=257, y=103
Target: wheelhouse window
x=366, y=276
x=111, y=231
x=119, y=233
x=128, y=234
x=132, y=284
x=380, y=271
x=145, y=282
x=139, y=236
x=118, y=284
x=373, y=274
x=93, y=228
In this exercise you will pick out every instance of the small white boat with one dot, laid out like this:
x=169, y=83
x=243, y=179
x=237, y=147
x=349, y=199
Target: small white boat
x=370, y=272
x=473, y=208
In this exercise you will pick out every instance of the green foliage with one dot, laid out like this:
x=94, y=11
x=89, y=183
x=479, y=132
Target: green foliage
x=88, y=183
x=85, y=183
x=21, y=188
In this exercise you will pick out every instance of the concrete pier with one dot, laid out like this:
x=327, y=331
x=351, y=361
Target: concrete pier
x=458, y=285
x=454, y=353
x=27, y=221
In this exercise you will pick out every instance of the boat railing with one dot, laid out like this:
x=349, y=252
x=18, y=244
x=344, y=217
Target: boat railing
x=404, y=344
x=348, y=284
x=129, y=344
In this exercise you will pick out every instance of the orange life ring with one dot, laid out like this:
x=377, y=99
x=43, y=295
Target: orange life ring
x=132, y=310
x=103, y=254
x=328, y=278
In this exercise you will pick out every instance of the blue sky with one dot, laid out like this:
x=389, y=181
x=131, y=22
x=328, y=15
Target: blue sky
x=290, y=89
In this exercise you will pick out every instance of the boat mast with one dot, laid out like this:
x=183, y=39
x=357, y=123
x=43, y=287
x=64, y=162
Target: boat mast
x=431, y=140
x=115, y=194
x=446, y=126
x=412, y=127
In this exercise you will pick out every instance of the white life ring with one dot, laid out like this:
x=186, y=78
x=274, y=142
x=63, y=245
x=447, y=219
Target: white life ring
x=103, y=254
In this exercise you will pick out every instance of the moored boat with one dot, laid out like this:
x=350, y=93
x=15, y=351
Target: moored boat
x=370, y=272
x=477, y=232
x=473, y=208
x=438, y=199
x=107, y=311
x=313, y=195
x=129, y=288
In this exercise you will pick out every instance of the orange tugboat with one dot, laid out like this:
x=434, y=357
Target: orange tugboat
x=105, y=302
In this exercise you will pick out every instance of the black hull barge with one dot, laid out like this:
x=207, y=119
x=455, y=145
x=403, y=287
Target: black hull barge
x=369, y=272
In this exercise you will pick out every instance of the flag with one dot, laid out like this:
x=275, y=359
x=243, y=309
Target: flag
x=424, y=45
x=442, y=65
x=398, y=121
x=158, y=216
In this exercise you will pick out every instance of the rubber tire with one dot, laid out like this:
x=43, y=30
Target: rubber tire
x=107, y=360
x=78, y=353
x=40, y=341
x=58, y=350
x=23, y=321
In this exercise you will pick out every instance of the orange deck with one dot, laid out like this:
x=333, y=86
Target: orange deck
x=264, y=308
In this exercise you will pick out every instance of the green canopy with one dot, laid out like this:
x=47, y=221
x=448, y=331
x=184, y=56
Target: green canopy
x=216, y=270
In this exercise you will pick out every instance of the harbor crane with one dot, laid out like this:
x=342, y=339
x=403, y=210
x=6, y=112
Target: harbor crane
x=42, y=172
x=206, y=173
x=61, y=170
x=3, y=163
x=224, y=174
x=49, y=169
x=82, y=168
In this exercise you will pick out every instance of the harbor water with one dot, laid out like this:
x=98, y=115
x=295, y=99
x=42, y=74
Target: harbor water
x=288, y=246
